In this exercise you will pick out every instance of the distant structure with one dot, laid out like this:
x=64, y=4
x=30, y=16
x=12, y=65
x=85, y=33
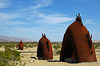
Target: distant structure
x=44, y=50
x=77, y=45
x=20, y=45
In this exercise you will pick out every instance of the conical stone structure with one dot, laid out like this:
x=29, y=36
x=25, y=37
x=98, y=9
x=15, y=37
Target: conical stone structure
x=77, y=45
x=44, y=50
x=20, y=45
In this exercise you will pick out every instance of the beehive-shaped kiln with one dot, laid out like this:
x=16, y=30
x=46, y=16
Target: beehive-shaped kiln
x=77, y=45
x=44, y=50
x=20, y=45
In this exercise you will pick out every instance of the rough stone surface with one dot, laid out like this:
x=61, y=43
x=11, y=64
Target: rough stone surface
x=20, y=45
x=44, y=49
x=77, y=44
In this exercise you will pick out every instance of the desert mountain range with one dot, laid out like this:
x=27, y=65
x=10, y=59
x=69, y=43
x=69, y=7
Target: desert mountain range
x=16, y=39
x=13, y=39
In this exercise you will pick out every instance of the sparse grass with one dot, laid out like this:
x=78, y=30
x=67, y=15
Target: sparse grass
x=8, y=44
x=26, y=45
x=96, y=45
x=10, y=57
x=14, y=44
x=0, y=45
x=58, y=52
x=57, y=48
x=30, y=44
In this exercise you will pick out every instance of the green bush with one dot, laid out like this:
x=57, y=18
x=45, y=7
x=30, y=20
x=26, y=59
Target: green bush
x=30, y=46
x=25, y=45
x=0, y=45
x=9, y=56
x=58, y=52
x=57, y=49
x=8, y=44
x=14, y=44
x=96, y=45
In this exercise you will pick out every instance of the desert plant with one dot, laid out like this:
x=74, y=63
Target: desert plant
x=56, y=49
x=30, y=46
x=96, y=45
x=58, y=52
x=25, y=45
x=9, y=57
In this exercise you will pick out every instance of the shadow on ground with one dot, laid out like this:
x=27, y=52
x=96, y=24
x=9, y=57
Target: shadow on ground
x=33, y=57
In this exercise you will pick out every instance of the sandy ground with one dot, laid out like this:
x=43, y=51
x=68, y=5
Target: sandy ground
x=31, y=59
x=28, y=55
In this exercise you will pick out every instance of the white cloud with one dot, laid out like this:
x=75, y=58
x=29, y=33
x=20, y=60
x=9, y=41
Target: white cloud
x=40, y=4
x=28, y=30
x=4, y=3
x=8, y=19
x=16, y=23
x=44, y=3
x=53, y=18
x=87, y=21
x=7, y=16
x=90, y=21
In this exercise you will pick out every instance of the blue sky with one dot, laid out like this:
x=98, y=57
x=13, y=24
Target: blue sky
x=31, y=18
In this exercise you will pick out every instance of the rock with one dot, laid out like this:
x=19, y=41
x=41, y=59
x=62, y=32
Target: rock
x=32, y=60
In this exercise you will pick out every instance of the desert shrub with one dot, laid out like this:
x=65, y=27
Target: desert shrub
x=56, y=49
x=30, y=46
x=12, y=54
x=58, y=52
x=25, y=45
x=9, y=56
x=56, y=43
x=9, y=44
x=35, y=44
x=0, y=45
x=96, y=45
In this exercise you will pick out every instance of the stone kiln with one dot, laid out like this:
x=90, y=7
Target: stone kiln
x=77, y=45
x=20, y=45
x=44, y=50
